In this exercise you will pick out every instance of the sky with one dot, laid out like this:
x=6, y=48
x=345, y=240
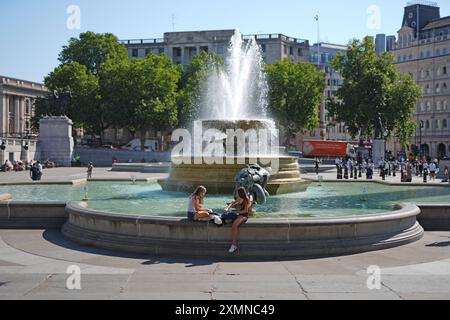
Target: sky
x=32, y=32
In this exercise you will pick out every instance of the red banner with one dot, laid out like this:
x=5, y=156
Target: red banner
x=325, y=148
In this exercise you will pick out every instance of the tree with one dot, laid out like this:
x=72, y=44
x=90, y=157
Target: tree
x=145, y=90
x=93, y=50
x=295, y=92
x=83, y=106
x=371, y=86
x=81, y=61
x=191, y=83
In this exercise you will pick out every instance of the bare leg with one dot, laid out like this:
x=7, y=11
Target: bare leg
x=235, y=229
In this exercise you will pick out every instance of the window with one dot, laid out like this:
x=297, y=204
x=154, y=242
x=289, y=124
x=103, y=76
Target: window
x=427, y=124
x=444, y=70
x=263, y=47
x=444, y=87
x=285, y=49
x=147, y=51
x=428, y=54
x=134, y=53
x=438, y=105
x=27, y=106
x=444, y=124
x=436, y=124
x=300, y=52
x=177, y=52
x=291, y=51
x=438, y=52
x=438, y=88
x=444, y=105
x=444, y=51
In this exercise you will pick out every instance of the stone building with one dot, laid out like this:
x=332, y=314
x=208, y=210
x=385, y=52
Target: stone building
x=16, y=110
x=17, y=106
x=423, y=50
x=182, y=46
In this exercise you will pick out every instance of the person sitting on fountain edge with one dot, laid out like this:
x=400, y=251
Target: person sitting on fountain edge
x=195, y=210
x=239, y=216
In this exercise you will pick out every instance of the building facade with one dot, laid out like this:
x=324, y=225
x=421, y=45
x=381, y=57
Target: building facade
x=423, y=50
x=17, y=106
x=181, y=47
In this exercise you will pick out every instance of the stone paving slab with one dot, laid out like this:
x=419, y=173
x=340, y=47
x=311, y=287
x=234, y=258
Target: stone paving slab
x=38, y=267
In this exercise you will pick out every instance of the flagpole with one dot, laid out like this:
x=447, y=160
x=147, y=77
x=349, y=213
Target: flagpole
x=318, y=40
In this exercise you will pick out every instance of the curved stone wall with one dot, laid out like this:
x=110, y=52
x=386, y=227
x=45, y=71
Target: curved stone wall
x=259, y=238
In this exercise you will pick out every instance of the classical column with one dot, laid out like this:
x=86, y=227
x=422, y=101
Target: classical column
x=2, y=114
x=16, y=114
x=21, y=115
x=6, y=114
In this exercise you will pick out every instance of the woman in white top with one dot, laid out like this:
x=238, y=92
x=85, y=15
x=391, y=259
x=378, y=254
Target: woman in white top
x=195, y=209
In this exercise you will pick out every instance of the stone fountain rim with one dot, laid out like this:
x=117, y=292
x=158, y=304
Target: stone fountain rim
x=400, y=211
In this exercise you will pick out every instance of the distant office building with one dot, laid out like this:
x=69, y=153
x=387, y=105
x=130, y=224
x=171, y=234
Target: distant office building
x=181, y=47
x=423, y=50
x=390, y=43
x=380, y=43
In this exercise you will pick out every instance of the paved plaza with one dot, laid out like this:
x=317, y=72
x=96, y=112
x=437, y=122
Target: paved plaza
x=33, y=265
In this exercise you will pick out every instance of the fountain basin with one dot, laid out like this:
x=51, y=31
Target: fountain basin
x=259, y=238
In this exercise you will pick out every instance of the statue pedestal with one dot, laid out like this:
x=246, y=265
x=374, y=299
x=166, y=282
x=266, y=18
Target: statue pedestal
x=55, y=140
x=378, y=151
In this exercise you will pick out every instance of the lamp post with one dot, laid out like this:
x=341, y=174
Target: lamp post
x=421, y=125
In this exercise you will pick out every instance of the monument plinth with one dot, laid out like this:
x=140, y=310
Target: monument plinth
x=55, y=140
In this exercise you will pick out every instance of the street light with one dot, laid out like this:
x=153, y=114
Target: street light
x=421, y=126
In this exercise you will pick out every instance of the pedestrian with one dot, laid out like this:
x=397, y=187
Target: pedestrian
x=432, y=168
x=89, y=170
x=317, y=164
x=446, y=175
x=39, y=170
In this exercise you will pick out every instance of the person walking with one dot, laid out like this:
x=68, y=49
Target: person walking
x=317, y=164
x=89, y=170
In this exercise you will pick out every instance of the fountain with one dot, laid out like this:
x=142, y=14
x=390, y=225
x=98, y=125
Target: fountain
x=234, y=108
x=234, y=99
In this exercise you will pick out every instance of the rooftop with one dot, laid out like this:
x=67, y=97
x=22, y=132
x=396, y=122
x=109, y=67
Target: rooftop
x=438, y=23
x=270, y=36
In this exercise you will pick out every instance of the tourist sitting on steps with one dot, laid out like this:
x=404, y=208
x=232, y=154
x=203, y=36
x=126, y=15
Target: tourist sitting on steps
x=196, y=212
x=239, y=216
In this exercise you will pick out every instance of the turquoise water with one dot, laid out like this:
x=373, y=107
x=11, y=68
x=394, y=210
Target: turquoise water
x=327, y=200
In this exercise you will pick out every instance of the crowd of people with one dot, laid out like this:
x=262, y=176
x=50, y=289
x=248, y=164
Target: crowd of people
x=351, y=168
x=35, y=168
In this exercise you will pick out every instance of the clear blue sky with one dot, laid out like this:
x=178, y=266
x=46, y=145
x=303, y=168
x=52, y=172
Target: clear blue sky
x=32, y=32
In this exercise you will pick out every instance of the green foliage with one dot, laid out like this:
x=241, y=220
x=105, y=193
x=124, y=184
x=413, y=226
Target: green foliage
x=295, y=92
x=92, y=50
x=191, y=84
x=371, y=86
x=144, y=90
x=84, y=86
